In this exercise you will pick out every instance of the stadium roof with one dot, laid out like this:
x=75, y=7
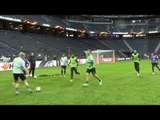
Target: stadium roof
x=123, y=16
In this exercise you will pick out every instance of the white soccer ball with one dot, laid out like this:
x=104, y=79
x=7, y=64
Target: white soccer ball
x=35, y=76
x=38, y=88
x=30, y=75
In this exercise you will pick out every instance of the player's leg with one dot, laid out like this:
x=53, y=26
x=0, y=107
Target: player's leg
x=96, y=76
x=76, y=71
x=33, y=69
x=87, y=77
x=23, y=78
x=16, y=83
x=72, y=69
x=61, y=71
x=137, y=67
x=157, y=66
x=152, y=68
x=64, y=71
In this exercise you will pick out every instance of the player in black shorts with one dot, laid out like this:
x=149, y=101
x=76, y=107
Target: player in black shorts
x=18, y=67
x=63, y=62
x=91, y=68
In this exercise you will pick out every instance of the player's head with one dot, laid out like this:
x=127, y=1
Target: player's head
x=72, y=55
x=135, y=51
x=154, y=53
x=32, y=54
x=22, y=55
x=63, y=55
x=89, y=52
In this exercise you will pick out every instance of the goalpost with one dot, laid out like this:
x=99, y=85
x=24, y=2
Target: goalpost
x=102, y=56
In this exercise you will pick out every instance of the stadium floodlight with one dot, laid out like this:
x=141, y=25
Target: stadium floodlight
x=153, y=32
x=46, y=25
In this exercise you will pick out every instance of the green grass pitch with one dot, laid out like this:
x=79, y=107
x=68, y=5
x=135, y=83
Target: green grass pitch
x=121, y=86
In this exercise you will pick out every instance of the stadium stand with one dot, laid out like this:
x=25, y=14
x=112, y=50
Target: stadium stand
x=11, y=42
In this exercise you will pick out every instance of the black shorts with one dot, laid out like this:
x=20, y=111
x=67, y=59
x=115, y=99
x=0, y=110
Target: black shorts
x=63, y=67
x=22, y=76
x=154, y=64
x=93, y=70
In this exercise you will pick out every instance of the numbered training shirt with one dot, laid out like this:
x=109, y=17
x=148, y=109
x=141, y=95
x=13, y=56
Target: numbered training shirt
x=135, y=57
x=73, y=61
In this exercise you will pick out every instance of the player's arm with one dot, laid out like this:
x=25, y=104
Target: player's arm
x=29, y=65
x=25, y=69
x=30, y=60
x=157, y=59
x=77, y=61
x=132, y=57
x=91, y=61
x=69, y=62
x=35, y=62
x=139, y=57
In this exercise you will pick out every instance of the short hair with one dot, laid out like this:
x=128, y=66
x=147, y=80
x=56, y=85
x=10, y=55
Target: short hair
x=90, y=50
x=154, y=53
x=21, y=54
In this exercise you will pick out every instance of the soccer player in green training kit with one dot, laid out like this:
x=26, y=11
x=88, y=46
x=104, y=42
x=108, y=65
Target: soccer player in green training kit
x=74, y=64
x=91, y=68
x=136, y=59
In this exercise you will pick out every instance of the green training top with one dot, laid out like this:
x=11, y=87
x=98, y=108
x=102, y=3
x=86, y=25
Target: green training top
x=73, y=62
x=135, y=57
x=90, y=61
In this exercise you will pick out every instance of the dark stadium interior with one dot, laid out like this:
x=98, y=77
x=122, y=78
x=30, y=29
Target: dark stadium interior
x=72, y=34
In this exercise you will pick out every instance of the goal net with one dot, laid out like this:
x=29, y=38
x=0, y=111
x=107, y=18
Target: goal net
x=102, y=56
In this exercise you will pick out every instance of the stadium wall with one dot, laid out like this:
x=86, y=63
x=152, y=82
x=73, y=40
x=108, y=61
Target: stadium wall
x=4, y=66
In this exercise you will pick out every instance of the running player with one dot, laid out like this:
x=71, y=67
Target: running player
x=91, y=68
x=136, y=59
x=74, y=65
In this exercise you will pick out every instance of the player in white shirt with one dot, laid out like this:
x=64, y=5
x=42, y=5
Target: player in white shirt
x=64, y=63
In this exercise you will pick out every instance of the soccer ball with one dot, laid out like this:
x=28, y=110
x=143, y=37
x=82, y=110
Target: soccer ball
x=30, y=75
x=38, y=88
x=35, y=76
